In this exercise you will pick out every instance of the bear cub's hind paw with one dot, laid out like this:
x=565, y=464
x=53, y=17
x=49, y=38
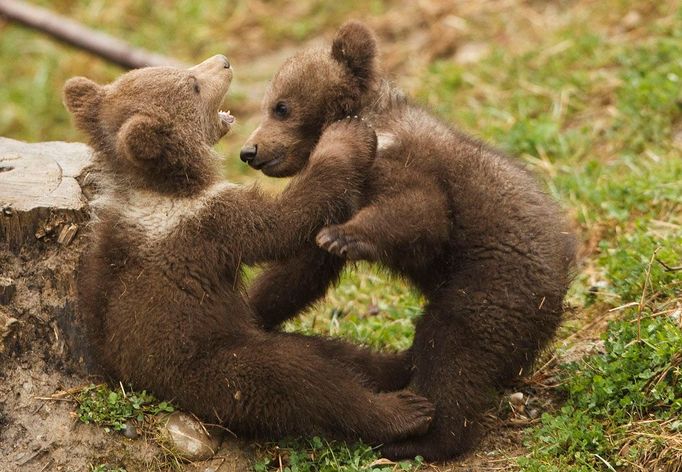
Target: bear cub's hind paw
x=408, y=414
x=343, y=242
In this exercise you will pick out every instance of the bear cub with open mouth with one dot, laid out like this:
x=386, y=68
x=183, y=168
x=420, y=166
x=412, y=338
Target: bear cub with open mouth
x=160, y=287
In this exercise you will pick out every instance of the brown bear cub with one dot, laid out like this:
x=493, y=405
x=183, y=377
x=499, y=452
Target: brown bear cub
x=468, y=226
x=161, y=285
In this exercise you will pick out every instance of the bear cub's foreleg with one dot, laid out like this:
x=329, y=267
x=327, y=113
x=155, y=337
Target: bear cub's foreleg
x=413, y=221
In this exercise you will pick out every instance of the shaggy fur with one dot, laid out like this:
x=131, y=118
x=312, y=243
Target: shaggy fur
x=470, y=228
x=160, y=286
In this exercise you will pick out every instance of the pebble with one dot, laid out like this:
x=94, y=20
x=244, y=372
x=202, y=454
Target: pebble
x=516, y=399
x=233, y=456
x=632, y=19
x=470, y=53
x=130, y=431
x=188, y=438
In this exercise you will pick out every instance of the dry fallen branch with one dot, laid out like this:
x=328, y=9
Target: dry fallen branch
x=668, y=268
x=75, y=34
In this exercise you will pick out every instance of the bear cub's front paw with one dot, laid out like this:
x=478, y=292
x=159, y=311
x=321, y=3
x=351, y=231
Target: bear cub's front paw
x=353, y=134
x=344, y=242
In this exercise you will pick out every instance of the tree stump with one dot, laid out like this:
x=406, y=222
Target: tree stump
x=44, y=194
x=40, y=191
x=43, y=213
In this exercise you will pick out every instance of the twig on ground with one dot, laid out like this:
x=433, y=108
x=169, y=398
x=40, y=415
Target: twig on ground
x=647, y=282
x=73, y=33
x=668, y=268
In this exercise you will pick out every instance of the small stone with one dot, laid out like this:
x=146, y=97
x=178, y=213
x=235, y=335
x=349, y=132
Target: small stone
x=632, y=19
x=233, y=456
x=598, y=286
x=188, y=438
x=516, y=399
x=471, y=53
x=676, y=315
x=130, y=430
x=456, y=22
x=7, y=290
x=7, y=325
x=533, y=413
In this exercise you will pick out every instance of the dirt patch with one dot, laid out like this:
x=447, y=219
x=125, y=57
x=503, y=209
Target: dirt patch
x=41, y=355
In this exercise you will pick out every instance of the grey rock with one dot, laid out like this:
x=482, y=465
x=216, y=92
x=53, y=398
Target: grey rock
x=233, y=456
x=188, y=438
x=130, y=430
x=516, y=399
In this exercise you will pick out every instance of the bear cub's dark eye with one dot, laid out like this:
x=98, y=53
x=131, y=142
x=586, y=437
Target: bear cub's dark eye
x=197, y=89
x=281, y=110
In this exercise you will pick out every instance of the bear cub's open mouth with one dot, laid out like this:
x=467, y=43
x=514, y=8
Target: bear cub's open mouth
x=226, y=117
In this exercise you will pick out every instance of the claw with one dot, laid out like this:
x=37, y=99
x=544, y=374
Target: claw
x=323, y=240
x=332, y=247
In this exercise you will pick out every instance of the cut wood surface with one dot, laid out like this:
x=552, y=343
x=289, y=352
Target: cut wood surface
x=40, y=193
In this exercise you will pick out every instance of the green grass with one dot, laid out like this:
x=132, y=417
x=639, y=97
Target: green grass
x=318, y=455
x=618, y=166
x=106, y=468
x=369, y=306
x=111, y=409
x=621, y=406
x=593, y=107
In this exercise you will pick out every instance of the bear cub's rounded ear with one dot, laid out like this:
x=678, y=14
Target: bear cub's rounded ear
x=143, y=138
x=81, y=95
x=356, y=47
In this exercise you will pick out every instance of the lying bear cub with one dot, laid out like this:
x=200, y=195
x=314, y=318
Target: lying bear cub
x=468, y=226
x=160, y=287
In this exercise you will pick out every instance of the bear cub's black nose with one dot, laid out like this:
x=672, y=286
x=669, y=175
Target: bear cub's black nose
x=248, y=153
x=226, y=62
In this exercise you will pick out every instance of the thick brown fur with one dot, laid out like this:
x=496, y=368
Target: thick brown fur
x=161, y=284
x=473, y=230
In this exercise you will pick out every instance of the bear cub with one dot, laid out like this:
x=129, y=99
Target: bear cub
x=491, y=252
x=160, y=287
